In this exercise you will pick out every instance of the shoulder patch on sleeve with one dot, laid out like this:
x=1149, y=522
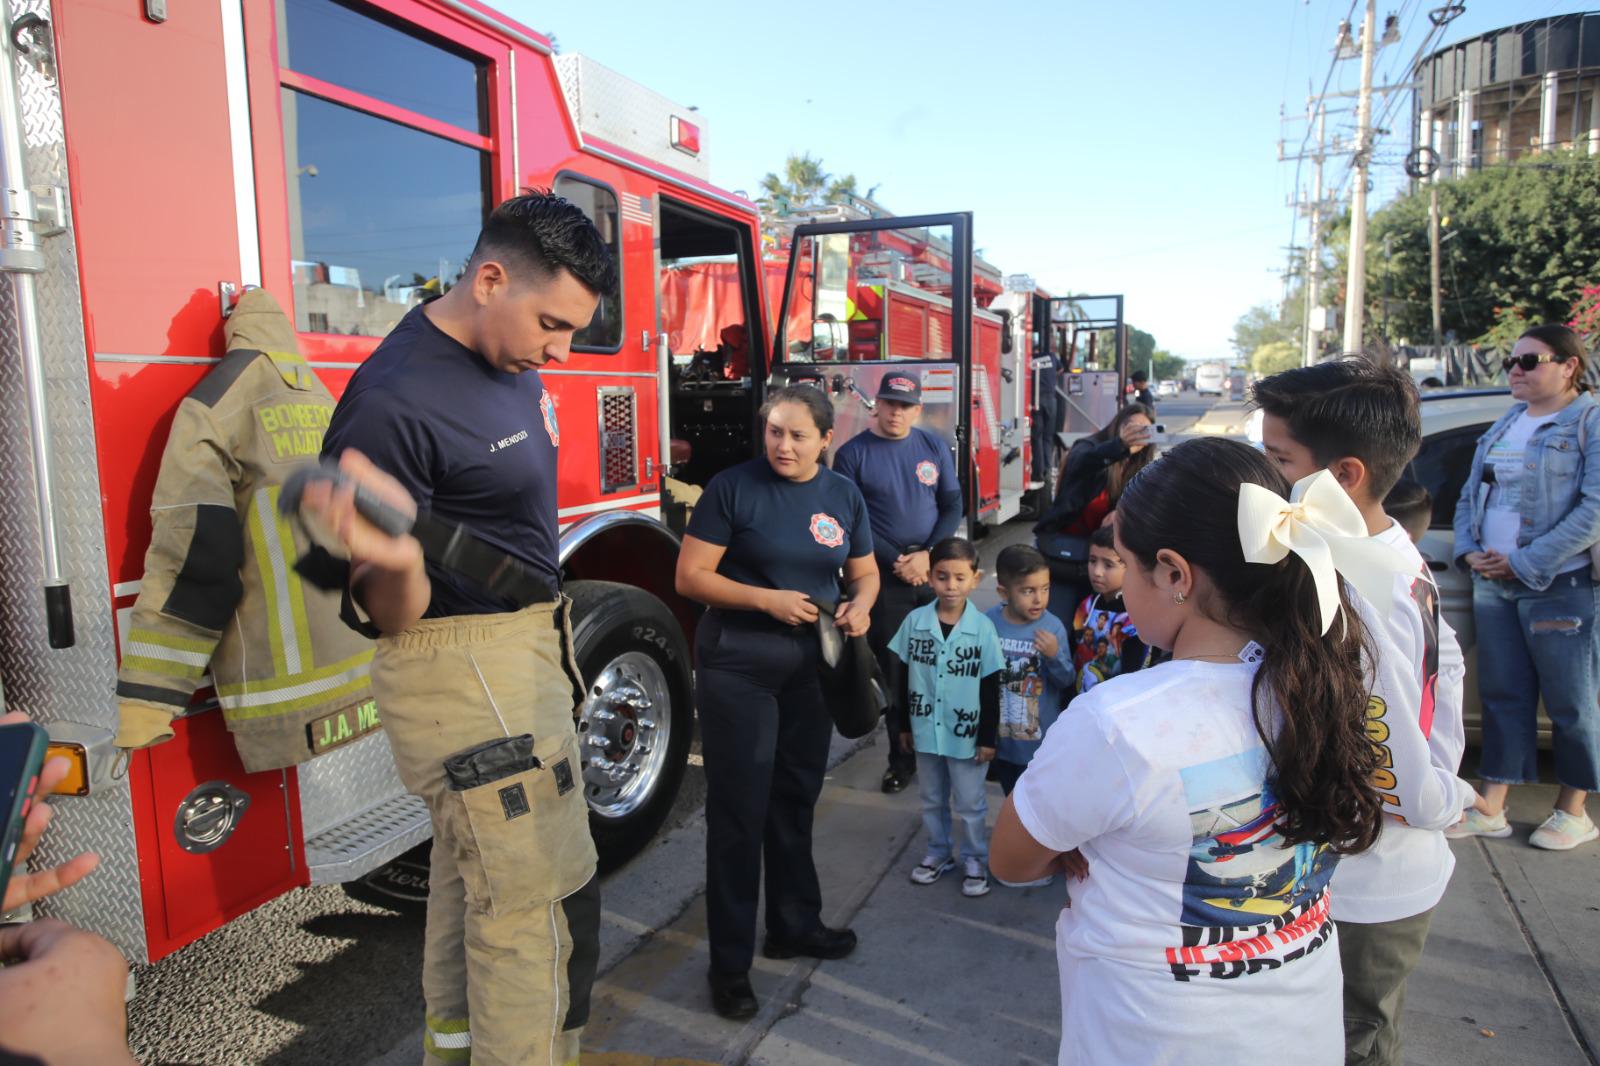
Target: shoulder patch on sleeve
x=215, y=385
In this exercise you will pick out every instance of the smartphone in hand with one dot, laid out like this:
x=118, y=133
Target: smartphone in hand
x=22, y=753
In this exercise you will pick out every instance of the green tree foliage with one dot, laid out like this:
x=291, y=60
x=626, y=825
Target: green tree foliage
x=1520, y=244
x=1263, y=325
x=804, y=183
x=1274, y=356
x=1169, y=367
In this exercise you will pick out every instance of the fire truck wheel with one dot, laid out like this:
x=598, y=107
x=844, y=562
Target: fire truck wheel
x=637, y=718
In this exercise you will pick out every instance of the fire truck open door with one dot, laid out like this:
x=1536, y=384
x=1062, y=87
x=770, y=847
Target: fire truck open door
x=864, y=298
x=1089, y=337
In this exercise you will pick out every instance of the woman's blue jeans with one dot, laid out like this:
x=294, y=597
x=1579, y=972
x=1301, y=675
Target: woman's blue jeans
x=1533, y=644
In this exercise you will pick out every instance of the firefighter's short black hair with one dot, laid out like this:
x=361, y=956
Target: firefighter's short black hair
x=539, y=234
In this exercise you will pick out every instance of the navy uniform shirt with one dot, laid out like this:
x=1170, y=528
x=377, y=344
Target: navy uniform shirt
x=473, y=444
x=910, y=485
x=782, y=534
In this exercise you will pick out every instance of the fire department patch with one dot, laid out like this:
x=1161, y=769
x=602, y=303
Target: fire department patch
x=927, y=473
x=547, y=408
x=826, y=530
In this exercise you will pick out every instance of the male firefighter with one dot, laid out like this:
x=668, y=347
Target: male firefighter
x=219, y=589
x=913, y=499
x=478, y=685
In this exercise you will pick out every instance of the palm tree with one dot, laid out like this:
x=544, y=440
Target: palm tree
x=804, y=183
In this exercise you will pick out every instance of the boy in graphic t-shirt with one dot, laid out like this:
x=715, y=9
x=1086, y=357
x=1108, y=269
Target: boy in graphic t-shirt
x=1038, y=675
x=1104, y=641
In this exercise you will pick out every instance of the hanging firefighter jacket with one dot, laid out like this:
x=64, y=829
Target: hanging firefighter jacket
x=220, y=591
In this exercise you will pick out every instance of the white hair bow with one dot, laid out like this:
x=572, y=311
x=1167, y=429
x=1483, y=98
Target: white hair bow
x=1322, y=525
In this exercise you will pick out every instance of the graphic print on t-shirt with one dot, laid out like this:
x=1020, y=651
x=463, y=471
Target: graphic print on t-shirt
x=1021, y=685
x=927, y=472
x=1245, y=894
x=1427, y=600
x=1098, y=635
x=826, y=530
x=1237, y=862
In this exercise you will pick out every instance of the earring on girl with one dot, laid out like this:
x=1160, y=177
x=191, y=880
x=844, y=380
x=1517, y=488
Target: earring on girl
x=1179, y=598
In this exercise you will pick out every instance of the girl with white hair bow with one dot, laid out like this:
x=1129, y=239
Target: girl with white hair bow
x=1208, y=799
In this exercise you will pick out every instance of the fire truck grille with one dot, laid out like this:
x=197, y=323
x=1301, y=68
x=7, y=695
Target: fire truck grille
x=619, y=458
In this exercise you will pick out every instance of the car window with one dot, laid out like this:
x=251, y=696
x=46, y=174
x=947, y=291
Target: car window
x=1442, y=465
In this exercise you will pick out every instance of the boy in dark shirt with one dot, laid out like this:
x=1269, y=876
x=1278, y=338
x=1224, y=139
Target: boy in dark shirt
x=1104, y=642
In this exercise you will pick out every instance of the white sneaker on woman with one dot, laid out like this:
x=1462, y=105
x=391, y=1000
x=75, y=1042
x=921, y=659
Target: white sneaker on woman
x=1563, y=832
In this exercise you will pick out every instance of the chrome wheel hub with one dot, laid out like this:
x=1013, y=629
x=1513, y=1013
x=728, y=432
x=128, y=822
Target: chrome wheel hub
x=624, y=729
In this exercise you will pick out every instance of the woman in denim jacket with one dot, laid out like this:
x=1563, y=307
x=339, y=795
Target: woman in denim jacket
x=1527, y=517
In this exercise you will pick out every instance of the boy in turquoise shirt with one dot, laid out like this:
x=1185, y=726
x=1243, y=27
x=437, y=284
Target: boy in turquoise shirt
x=949, y=712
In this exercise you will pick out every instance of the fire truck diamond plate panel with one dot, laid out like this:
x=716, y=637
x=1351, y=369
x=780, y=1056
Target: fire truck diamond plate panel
x=78, y=682
x=611, y=107
x=619, y=460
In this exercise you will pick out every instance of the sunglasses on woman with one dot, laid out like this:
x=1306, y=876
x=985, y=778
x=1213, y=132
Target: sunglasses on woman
x=1528, y=360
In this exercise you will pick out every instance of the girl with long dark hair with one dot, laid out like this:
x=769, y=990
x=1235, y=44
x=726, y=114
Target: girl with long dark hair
x=1205, y=802
x=1093, y=476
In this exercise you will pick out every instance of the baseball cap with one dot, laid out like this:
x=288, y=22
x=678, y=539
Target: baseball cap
x=901, y=387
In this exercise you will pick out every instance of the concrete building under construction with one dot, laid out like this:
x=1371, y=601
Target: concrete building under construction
x=1531, y=87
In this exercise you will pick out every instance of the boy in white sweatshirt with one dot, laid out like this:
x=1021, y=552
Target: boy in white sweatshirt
x=1361, y=422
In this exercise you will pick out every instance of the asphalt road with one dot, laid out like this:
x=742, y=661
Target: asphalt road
x=315, y=976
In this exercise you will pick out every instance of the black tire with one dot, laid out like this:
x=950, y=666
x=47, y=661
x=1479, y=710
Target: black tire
x=610, y=621
x=630, y=633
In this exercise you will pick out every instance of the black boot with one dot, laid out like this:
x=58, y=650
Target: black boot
x=820, y=943
x=731, y=995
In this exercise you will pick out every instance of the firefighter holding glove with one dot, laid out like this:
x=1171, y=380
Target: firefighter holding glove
x=220, y=591
x=476, y=674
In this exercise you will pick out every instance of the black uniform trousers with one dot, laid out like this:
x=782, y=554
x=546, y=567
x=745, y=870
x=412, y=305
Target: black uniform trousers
x=896, y=599
x=764, y=734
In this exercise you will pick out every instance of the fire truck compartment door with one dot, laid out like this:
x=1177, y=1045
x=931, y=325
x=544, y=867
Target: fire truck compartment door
x=865, y=298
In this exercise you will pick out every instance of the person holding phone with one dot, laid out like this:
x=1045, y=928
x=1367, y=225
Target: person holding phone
x=1096, y=471
x=764, y=549
x=62, y=989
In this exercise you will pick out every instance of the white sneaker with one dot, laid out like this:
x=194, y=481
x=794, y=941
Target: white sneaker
x=931, y=868
x=1040, y=883
x=1563, y=832
x=976, y=881
x=1479, y=825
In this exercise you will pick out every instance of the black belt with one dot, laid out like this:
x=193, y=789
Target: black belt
x=456, y=548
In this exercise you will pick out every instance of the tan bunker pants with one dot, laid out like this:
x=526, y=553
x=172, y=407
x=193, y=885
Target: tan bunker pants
x=513, y=904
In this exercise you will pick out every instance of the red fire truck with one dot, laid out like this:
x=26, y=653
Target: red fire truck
x=158, y=158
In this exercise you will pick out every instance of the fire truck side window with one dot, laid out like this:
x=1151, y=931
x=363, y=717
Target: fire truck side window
x=604, y=331
x=383, y=211
x=353, y=47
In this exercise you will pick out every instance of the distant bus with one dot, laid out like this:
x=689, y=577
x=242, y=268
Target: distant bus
x=1210, y=378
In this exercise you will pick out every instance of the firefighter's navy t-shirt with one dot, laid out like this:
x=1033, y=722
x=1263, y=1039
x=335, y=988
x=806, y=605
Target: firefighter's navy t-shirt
x=910, y=485
x=473, y=444
x=782, y=534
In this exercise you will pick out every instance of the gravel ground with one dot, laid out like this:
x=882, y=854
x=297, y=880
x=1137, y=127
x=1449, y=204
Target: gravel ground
x=313, y=976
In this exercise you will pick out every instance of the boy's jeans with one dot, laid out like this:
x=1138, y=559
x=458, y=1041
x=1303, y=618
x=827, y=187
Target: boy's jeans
x=1533, y=644
x=948, y=782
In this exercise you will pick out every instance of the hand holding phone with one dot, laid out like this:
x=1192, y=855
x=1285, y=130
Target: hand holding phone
x=21, y=766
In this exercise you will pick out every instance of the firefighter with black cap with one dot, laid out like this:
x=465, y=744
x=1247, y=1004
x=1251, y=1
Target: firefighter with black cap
x=908, y=478
x=477, y=678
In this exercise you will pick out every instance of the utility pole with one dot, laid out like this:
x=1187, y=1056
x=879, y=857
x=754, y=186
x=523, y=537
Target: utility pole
x=1433, y=259
x=1314, y=251
x=1356, y=279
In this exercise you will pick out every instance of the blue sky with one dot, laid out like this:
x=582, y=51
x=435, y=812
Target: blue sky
x=1125, y=147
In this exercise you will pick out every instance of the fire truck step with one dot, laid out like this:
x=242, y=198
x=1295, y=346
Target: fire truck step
x=367, y=841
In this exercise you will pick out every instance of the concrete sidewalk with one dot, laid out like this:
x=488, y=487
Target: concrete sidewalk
x=1509, y=977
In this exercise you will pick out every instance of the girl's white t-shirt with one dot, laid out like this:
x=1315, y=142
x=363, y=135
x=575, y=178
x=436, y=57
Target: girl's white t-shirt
x=1197, y=937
